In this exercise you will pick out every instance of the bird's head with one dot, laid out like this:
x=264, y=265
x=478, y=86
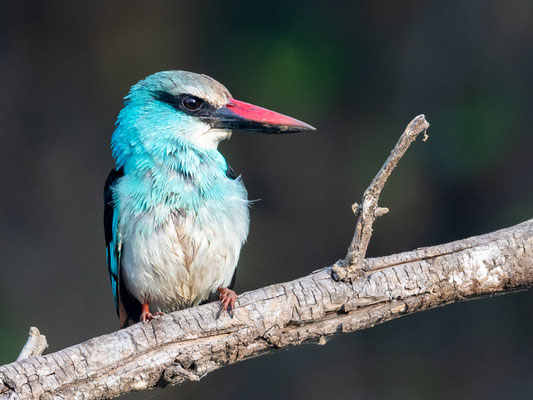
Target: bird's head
x=179, y=108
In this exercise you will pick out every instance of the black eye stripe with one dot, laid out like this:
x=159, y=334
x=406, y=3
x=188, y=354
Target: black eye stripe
x=206, y=110
x=167, y=98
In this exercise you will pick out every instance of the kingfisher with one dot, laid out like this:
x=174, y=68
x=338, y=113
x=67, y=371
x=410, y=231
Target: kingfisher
x=176, y=215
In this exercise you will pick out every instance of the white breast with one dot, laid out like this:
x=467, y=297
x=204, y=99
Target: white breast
x=185, y=259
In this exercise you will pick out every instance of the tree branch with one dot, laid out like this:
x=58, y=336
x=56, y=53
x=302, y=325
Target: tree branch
x=188, y=344
x=35, y=345
x=353, y=266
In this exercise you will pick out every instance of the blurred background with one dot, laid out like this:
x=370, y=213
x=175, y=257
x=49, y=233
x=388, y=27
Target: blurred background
x=359, y=72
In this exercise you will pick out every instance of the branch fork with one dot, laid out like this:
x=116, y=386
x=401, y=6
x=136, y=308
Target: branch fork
x=353, y=266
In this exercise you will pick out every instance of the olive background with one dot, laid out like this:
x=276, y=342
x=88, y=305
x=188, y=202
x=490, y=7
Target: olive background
x=359, y=71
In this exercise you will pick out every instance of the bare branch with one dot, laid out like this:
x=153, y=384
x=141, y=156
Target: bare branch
x=352, y=267
x=35, y=345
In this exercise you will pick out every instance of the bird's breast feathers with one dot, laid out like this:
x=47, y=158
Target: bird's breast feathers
x=175, y=258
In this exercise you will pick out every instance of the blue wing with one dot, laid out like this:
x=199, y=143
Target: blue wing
x=128, y=308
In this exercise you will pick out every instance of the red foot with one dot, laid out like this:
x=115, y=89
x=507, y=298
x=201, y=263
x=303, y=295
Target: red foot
x=227, y=297
x=146, y=315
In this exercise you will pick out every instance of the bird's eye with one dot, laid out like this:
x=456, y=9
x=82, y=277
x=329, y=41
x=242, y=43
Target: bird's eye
x=192, y=103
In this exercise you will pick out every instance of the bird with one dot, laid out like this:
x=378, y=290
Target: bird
x=175, y=213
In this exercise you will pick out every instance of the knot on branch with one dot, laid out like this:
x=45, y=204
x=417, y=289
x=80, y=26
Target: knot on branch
x=343, y=271
x=176, y=374
x=6, y=385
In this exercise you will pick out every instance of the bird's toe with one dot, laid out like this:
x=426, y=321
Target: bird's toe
x=227, y=299
x=146, y=316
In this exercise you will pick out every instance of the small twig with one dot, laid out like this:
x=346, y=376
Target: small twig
x=352, y=267
x=35, y=345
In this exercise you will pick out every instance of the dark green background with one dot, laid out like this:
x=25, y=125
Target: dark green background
x=359, y=72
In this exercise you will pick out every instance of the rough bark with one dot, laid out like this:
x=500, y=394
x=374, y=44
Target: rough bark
x=188, y=344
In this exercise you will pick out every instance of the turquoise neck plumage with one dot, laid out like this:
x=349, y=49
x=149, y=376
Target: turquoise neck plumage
x=184, y=179
x=162, y=166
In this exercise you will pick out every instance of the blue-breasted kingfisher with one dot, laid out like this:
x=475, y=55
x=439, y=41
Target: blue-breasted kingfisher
x=176, y=216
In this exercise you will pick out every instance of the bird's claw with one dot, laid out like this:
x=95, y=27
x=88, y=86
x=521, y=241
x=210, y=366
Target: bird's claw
x=227, y=298
x=147, y=316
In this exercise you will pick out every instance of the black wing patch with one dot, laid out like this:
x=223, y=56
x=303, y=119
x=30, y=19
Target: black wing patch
x=230, y=173
x=128, y=308
x=109, y=208
x=110, y=221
